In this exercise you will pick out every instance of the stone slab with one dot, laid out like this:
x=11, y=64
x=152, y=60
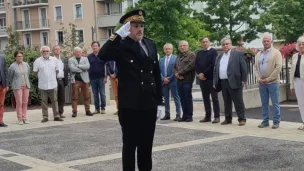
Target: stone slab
x=65, y=143
x=6, y=165
x=236, y=154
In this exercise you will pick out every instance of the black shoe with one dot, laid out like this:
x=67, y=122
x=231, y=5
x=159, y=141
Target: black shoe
x=3, y=124
x=189, y=120
x=216, y=120
x=88, y=113
x=58, y=119
x=182, y=120
x=225, y=122
x=44, y=120
x=74, y=114
x=205, y=120
x=177, y=118
x=166, y=117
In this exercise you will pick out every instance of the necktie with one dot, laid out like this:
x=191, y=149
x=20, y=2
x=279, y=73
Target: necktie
x=142, y=52
x=166, y=65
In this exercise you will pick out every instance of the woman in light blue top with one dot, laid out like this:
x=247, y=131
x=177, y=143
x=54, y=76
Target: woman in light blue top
x=18, y=79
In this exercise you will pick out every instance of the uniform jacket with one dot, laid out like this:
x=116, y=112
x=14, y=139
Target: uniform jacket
x=139, y=76
x=3, y=72
x=236, y=70
x=171, y=64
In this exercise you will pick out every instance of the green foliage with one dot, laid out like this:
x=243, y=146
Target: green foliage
x=69, y=40
x=227, y=17
x=286, y=17
x=169, y=22
x=29, y=54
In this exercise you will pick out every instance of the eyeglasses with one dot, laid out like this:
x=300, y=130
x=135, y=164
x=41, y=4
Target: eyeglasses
x=45, y=51
x=225, y=44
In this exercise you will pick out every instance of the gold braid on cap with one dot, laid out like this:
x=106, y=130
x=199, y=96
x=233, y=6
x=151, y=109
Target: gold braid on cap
x=135, y=18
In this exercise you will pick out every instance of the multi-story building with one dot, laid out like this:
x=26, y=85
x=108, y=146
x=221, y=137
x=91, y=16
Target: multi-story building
x=3, y=24
x=108, y=14
x=41, y=22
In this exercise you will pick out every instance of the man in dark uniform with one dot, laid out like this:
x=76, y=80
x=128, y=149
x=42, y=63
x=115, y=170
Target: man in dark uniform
x=139, y=88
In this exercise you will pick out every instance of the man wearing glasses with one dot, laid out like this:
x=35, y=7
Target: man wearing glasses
x=46, y=70
x=230, y=73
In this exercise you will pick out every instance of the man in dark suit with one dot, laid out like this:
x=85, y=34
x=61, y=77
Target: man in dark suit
x=139, y=88
x=166, y=65
x=230, y=72
x=204, y=65
x=3, y=88
x=62, y=79
x=112, y=73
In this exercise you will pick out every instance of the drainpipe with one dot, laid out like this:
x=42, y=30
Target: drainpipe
x=95, y=21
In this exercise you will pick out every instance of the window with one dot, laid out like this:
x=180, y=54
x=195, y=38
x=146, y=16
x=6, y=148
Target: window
x=110, y=32
x=79, y=35
x=43, y=18
x=113, y=8
x=59, y=37
x=27, y=39
x=2, y=23
x=1, y=3
x=78, y=11
x=44, y=38
x=26, y=19
x=58, y=13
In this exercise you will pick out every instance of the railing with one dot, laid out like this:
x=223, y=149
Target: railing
x=32, y=24
x=28, y=2
x=252, y=81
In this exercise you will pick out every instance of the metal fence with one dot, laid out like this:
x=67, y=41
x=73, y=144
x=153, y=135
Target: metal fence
x=252, y=81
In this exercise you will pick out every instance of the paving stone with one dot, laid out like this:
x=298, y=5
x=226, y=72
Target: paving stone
x=6, y=165
x=236, y=154
x=64, y=143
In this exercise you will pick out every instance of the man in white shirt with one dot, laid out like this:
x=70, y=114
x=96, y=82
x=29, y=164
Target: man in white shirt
x=62, y=79
x=230, y=73
x=46, y=69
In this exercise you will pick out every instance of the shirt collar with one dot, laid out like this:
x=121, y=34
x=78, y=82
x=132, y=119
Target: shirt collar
x=207, y=49
x=228, y=53
x=46, y=58
x=267, y=50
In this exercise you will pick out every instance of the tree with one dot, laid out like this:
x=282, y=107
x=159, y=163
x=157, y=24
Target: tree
x=286, y=17
x=229, y=17
x=170, y=21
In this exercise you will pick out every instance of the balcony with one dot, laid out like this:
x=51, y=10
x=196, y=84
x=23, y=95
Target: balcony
x=29, y=3
x=3, y=32
x=2, y=8
x=108, y=20
x=32, y=25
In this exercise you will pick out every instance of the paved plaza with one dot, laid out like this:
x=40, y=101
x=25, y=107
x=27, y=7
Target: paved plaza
x=94, y=144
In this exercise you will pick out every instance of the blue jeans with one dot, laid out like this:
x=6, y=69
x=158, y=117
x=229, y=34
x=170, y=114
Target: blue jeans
x=272, y=91
x=173, y=87
x=185, y=94
x=98, y=88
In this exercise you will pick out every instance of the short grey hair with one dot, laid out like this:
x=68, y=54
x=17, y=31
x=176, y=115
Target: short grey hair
x=77, y=49
x=226, y=39
x=267, y=35
x=44, y=47
x=299, y=41
x=183, y=41
x=168, y=45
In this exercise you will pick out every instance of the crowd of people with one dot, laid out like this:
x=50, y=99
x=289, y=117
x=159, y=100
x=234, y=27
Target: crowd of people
x=144, y=80
x=54, y=73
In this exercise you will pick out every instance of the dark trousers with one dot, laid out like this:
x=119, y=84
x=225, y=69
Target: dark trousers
x=235, y=95
x=60, y=95
x=185, y=94
x=207, y=89
x=138, y=127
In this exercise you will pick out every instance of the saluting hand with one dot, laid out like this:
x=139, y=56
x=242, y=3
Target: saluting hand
x=124, y=30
